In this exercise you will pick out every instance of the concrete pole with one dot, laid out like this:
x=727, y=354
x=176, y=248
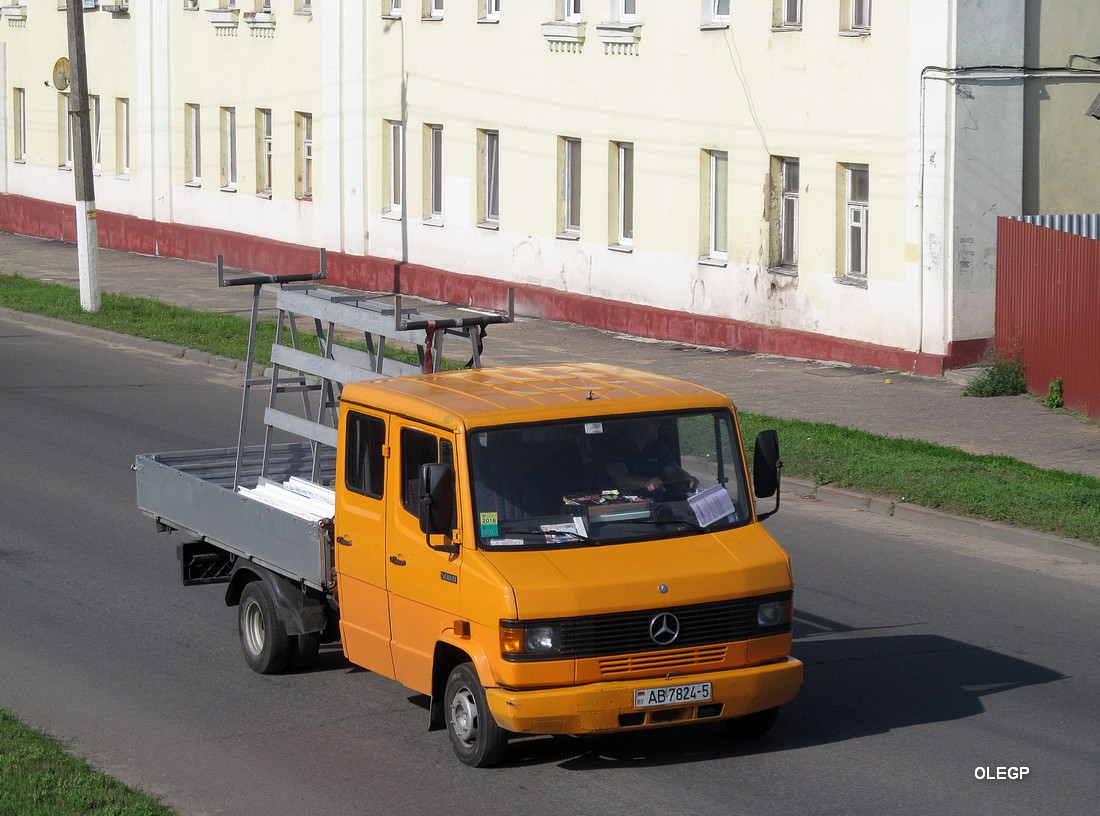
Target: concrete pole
x=87, y=236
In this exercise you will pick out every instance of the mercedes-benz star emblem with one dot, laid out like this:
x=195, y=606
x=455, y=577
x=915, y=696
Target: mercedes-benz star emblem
x=664, y=628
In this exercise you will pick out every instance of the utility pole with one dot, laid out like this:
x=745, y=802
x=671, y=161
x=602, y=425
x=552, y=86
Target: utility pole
x=87, y=236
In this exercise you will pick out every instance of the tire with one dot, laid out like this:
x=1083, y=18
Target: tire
x=303, y=651
x=753, y=726
x=476, y=738
x=264, y=641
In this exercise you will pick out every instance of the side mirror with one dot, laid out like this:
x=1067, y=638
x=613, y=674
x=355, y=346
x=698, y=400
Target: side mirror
x=437, y=499
x=766, y=466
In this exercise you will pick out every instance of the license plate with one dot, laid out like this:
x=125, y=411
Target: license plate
x=671, y=695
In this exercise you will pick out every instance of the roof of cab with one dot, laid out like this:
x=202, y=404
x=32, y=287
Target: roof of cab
x=497, y=396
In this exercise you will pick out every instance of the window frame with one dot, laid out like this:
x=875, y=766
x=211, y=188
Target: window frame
x=365, y=455
x=859, y=15
x=715, y=13
x=227, y=116
x=623, y=157
x=19, y=106
x=122, y=136
x=489, y=178
x=65, y=132
x=786, y=217
x=717, y=247
x=569, y=223
x=95, y=121
x=265, y=143
x=395, y=167
x=303, y=156
x=489, y=11
x=433, y=177
x=570, y=10
x=856, y=218
x=788, y=14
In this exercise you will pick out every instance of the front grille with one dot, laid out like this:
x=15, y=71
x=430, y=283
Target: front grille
x=666, y=661
x=622, y=633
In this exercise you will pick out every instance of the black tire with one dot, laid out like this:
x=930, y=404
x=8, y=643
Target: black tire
x=753, y=726
x=303, y=651
x=476, y=738
x=264, y=641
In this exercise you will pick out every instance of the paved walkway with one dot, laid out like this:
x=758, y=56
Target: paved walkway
x=889, y=403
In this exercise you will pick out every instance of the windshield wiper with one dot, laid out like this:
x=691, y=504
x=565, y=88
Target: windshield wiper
x=571, y=533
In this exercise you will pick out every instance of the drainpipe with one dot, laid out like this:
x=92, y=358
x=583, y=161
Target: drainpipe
x=979, y=72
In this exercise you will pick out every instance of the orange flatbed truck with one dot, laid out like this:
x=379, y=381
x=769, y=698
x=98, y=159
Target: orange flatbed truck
x=477, y=551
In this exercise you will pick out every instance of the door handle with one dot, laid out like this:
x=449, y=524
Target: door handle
x=400, y=562
x=345, y=541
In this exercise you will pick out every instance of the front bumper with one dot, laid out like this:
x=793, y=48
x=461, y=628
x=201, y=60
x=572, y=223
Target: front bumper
x=609, y=706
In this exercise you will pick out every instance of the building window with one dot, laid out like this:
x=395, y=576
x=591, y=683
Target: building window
x=623, y=162
x=64, y=133
x=303, y=156
x=857, y=188
x=569, y=206
x=391, y=8
x=432, y=10
x=393, y=155
x=191, y=5
x=303, y=6
x=624, y=11
x=785, y=213
x=95, y=122
x=122, y=137
x=715, y=13
x=263, y=152
x=488, y=145
x=571, y=11
x=229, y=149
x=488, y=11
x=717, y=212
x=433, y=177
x=20, y=124
x=855, y=16
x=787, y=14
x=192, y=146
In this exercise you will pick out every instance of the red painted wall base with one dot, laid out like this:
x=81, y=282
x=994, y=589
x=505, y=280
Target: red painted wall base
x=27, y=216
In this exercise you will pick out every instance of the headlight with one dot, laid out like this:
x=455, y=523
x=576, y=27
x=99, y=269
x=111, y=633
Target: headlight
x=772, y=613
x=516, y=639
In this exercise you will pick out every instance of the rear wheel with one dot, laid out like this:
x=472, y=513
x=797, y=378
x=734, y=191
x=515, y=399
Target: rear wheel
x=304, y=649
x=476, y=738
x=266, y=645
x=755, y=725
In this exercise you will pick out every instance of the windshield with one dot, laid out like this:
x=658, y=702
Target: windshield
x=605, y=481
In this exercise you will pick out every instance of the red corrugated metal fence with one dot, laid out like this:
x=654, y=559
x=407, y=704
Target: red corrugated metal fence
x=1048, y=306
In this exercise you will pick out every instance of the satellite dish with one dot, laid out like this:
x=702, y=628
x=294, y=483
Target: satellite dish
x=61, y=74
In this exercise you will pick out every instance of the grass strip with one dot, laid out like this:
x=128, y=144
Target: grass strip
x=996, y=488
x=39, y=778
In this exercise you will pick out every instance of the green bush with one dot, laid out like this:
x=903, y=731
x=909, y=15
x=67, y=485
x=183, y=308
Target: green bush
x=1053, y=398
x=1004, y=377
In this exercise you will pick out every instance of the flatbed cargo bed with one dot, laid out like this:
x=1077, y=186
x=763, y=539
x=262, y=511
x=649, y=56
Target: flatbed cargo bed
x=192, y=491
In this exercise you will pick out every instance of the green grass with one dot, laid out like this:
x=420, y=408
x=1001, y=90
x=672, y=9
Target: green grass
x=39, y=778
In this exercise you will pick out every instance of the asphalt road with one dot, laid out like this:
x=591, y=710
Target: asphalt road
x=930, y=657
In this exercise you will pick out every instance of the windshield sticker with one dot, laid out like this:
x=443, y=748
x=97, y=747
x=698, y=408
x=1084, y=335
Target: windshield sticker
x=489, y=525
x=506, y=542
x=569, y=532
x=593, y=427
x=712, y=504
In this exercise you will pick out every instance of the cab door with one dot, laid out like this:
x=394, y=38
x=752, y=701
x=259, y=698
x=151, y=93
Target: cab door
x=422, y=582
x=361, y=515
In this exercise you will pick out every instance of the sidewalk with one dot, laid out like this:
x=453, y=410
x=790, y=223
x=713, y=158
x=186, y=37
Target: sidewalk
x=888, y=403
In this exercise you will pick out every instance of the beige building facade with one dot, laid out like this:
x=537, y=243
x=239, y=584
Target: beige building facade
x=811, y=179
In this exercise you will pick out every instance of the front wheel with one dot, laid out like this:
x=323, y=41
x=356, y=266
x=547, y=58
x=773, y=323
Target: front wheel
x=476, y=738
x=264, y=641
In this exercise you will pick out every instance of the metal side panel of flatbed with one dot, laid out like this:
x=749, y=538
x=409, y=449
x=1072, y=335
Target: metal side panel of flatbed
x=192, y=491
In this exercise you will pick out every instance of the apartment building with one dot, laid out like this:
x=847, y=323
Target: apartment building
x=814, y=179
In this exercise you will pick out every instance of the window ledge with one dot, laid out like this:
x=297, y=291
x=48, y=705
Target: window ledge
x=391, y=215
x=223, y=18
x=626, y=249
x=122, y=177
x=265, y=196
x=792, y=27
x=15, y=13
x=303, y=13
x=392, y=17
x=855, y=32
x=852, y=280
x=229, y=189
x=19, y=161
x=619, y=38
x=434, y=221
x=563, y=36
x=713, y=26
x=489, y=225
x=706, y=260
x=785, y=271
x=195, y=184
x=67, y=168
x=488, y=20
x=259, y=21
x=431, y=18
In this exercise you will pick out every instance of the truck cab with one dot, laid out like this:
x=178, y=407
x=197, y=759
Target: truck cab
x=498, y=548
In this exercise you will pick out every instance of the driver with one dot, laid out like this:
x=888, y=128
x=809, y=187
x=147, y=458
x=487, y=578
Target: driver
x=643, y=464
